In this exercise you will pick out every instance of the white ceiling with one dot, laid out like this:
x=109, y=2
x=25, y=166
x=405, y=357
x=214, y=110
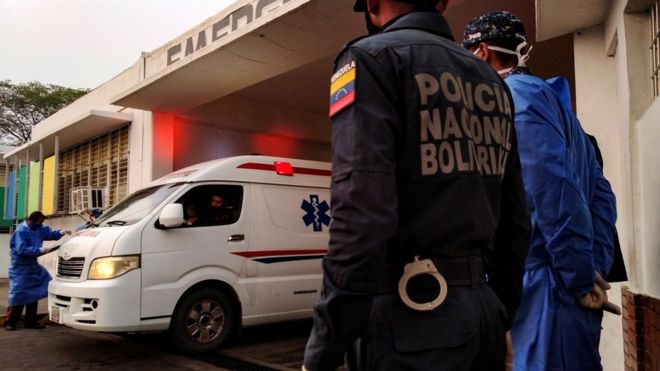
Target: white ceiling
x=559, y=17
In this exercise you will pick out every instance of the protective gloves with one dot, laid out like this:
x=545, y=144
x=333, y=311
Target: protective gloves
x=597, y=297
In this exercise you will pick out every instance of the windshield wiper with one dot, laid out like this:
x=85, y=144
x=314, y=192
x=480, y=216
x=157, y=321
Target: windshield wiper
x=90, y=224
x=116, y=222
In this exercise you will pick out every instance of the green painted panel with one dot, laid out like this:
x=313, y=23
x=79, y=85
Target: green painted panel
x=33, y=189
x=22, y=193
x=3, y=222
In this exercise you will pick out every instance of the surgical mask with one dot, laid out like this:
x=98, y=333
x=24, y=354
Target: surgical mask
x=522, y=58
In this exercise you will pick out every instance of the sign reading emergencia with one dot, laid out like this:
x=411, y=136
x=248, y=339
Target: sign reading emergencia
x=236, y=20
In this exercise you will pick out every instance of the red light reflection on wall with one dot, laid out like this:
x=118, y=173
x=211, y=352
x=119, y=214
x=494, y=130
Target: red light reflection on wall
x=163, y=137
x=273, y=145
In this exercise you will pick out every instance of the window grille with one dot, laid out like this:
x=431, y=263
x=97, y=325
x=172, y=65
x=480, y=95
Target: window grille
x=3, y=174
x=654, y=22
x=101, y=162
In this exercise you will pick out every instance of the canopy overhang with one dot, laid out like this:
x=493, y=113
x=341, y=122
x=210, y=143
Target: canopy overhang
x=250, y=42
x=86, y=126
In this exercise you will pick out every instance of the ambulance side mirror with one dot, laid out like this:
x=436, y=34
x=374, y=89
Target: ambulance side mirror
x=171, y=216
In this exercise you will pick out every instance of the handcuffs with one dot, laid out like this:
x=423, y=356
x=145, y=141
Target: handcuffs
x=414, y=269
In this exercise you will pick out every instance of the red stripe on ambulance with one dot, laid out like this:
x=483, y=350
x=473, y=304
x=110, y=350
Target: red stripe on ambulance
x=255, y=254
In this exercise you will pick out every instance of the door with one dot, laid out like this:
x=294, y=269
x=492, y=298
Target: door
x=289, y=239
x=203, y=248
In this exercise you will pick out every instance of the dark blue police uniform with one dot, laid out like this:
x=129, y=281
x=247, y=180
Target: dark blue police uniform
x=424, y=164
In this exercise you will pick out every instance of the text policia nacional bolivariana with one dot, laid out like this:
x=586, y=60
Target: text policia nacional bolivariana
x=464, y=127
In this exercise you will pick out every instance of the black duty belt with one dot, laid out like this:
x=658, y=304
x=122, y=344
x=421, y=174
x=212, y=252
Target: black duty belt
x=464, y=271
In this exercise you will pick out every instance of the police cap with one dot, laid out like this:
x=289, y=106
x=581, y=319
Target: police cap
x=499, y=25
x=361, y=5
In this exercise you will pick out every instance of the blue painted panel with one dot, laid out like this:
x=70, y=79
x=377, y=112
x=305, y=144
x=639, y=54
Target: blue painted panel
x=10, y=211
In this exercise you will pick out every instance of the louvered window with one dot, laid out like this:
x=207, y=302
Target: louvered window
x=101, y=162
x=3, y=174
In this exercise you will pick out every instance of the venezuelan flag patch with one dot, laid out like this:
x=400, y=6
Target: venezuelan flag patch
x=342, y=88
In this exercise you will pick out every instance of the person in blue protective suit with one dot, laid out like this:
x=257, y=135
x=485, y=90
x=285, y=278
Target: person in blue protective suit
x=94, y=214
x=427, y=204
x=558, y=323
x=28, y=281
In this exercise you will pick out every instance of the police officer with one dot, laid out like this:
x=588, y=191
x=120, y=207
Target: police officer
x=558, y=324
x=424, y=168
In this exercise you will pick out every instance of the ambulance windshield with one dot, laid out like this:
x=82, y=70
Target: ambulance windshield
x=136, y=206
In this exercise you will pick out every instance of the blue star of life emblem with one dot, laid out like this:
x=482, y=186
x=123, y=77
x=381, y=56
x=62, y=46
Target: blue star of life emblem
x=315, y=213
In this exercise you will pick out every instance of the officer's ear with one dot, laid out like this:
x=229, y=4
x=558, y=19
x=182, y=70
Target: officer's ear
x=441, y=6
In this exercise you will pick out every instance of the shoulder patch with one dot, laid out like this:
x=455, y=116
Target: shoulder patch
x=342, y=88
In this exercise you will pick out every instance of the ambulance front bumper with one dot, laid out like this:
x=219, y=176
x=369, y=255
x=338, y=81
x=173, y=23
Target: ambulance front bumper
x=97, y=305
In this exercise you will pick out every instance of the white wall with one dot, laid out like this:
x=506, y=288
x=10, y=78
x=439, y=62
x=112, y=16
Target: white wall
x=615, y=103
x=648, y=134
x=196, y=142
x=139, y=166
x=161, y=143
x=151, y=148
x=644, y=117
x=4, y=254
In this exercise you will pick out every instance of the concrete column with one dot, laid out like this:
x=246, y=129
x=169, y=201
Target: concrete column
x=41, y=174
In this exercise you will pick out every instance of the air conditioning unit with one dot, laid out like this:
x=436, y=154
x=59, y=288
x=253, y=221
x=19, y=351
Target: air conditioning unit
x=86, y=198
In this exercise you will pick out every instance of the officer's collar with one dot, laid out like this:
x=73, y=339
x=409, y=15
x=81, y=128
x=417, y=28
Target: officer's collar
x=426, y=21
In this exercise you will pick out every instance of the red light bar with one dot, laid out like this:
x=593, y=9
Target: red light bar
x=283, y=168
x=295, y=169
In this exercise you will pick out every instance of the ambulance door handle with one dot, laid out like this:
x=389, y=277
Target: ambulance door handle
x=236, y=237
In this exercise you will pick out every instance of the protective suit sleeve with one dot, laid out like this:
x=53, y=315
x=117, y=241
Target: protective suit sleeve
x=25, y=244
x=556, y=203
x=364, y=204
x=49, y=234
x=512, y=237
x=603, y=216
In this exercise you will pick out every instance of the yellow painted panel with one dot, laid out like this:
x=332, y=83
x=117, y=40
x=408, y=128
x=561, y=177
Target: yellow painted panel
x=48, y=186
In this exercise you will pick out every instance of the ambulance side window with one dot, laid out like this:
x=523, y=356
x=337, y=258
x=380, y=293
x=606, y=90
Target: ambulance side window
x=209, y=205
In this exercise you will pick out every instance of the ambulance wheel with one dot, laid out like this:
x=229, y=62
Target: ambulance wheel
x=203, y=321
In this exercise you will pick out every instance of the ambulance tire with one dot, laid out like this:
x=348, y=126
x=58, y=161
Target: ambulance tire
x=203, y=321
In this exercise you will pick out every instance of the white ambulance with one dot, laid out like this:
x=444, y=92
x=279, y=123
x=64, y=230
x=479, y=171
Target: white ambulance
x=201, y=252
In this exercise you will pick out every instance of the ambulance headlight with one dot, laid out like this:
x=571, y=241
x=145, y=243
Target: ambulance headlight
x=112, y=266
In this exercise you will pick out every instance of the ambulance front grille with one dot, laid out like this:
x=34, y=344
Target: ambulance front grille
x=71, y=268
